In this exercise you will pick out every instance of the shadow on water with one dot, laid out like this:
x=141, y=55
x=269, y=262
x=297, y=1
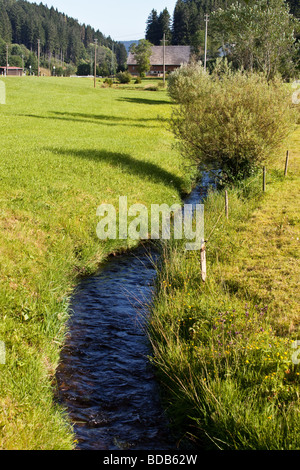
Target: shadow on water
x=132, y=165
x=105, y=379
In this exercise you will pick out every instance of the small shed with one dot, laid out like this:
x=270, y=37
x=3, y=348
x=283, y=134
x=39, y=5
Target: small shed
x=175, y=56
x=11, y=71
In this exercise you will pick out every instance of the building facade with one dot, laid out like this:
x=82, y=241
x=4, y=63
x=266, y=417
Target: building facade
x=172, y=57
x=11, y=71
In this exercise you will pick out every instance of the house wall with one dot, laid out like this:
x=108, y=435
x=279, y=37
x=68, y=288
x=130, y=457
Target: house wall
x=132, y=69
x=155, y=70
x=17, y=73
x=11, y=72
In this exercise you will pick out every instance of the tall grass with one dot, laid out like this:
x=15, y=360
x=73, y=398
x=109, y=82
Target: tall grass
x=65, y=149
x=223, y=349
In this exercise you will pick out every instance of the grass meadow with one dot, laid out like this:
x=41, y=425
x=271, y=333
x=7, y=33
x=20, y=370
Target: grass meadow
x=225, y=349
x=65, y=149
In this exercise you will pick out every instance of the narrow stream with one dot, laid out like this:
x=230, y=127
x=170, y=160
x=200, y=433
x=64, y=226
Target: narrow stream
x=105, y=379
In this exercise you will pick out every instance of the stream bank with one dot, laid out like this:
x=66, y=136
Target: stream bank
x=105, y=379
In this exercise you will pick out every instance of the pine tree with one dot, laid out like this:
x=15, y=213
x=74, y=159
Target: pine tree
x=5, y=24
x=164, y=21
x=24, y=23
x=153, y=28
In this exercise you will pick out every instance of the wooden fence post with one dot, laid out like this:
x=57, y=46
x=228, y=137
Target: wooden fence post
x=203, y=262
x=226, y=204
x=286, y=163
x=264, y=179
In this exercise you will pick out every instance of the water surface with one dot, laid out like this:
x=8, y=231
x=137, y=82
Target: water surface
x=105, y=379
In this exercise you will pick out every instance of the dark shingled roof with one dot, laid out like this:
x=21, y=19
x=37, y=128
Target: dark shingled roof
x=175, y=55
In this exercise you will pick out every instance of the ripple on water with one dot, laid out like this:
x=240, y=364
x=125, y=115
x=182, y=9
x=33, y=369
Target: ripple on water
x=105, y=379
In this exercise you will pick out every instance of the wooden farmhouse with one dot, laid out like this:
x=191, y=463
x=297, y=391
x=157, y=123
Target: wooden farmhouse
x=173, y=58
x=11, y=71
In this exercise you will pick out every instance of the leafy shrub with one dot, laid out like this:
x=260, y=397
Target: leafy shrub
x=232, y=121
x=124, y=77
x=59, y=72
x=69, y=70
x=83, y=69
x=138, y=81
x=108, y=81
x=183, y=82
x=151, y=88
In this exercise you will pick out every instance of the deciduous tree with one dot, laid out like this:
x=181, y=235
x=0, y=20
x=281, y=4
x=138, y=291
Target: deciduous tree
x=257, y=35
x=142, y=54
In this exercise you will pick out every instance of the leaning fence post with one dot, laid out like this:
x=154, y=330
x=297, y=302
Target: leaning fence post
x=226, y=204
x=203, y=262
x=264, y=179
x=286, y=163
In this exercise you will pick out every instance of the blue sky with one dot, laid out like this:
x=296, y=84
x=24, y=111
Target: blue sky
x=123, y=20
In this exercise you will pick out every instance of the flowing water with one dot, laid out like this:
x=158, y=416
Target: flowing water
x=105, y=379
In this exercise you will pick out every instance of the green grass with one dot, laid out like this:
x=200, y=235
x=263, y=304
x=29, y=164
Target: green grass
x=223, y=348
x=65, y=149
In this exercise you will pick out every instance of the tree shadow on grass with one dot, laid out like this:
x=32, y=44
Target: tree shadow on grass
x=101, y=119
x=144, y=101
x=133, y=166
x=105, y=117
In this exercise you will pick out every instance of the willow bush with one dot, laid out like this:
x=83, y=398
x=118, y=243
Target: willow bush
x=231, y=121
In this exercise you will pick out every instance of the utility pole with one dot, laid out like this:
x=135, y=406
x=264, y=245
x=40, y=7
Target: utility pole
x=164, y=59
x=39, y=42
x=206, y=19
x=6, y=59
x=95, y=64
x=112, y=61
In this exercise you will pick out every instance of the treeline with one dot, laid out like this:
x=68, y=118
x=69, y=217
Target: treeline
x=187, y=24
x=61, y=37
x=261, y=35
